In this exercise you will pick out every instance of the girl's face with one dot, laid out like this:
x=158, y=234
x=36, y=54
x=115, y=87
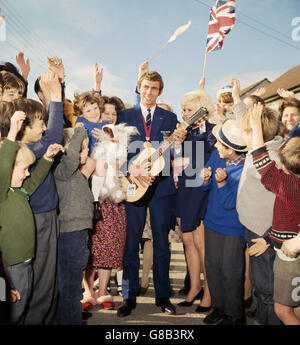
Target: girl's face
x=91, y=112
x=109, y=113
x=290, y=117
x=188, y=109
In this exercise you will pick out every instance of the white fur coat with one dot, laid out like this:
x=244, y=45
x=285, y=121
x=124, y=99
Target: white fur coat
x=110, y=154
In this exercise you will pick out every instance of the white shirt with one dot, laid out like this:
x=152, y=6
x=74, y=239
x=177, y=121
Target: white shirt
x=145, y=111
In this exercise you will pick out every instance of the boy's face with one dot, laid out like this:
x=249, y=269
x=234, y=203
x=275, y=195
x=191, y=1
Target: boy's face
x=19, y=174
x=224, y=152
x=91, y=112
x=35, y=133
x=9, y=94
x=187, y=110
x=109, y=113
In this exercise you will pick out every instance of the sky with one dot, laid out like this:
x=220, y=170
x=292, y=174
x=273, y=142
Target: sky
x=121, y=34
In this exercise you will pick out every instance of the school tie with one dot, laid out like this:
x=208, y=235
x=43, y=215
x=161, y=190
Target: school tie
x=148, y=118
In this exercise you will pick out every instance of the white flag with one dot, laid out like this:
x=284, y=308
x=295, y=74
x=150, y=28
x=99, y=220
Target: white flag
x=180, y=31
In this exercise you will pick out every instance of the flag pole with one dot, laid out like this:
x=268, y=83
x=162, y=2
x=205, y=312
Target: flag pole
x=159, y=50
x=204, y=66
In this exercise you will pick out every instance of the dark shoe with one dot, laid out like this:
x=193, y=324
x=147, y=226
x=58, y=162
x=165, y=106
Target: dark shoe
x=142, y=290
x=251, y=313
x=215, y=316
x=201, y=309
x=248, y=302
x=86, y=315
x=166, y=305
x=231, y=321
x=126, y=308
x=188, y=304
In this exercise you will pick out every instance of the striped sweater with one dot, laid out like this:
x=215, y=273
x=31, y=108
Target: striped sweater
x=286, y=213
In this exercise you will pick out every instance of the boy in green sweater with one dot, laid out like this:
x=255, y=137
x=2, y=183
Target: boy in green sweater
x=16, y=220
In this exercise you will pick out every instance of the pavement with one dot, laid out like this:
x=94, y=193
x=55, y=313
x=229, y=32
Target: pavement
x=146, y=313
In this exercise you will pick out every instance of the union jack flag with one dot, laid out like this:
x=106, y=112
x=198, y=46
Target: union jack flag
x=221, y=21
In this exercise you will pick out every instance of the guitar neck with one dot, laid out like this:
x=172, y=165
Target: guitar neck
x=171, y=139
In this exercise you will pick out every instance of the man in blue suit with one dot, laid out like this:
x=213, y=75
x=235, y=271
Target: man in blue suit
x=154, y=124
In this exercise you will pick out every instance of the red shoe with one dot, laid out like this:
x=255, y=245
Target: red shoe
x=106, y=302
x=86, y=306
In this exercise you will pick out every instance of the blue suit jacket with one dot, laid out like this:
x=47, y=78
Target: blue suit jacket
x=163, y=124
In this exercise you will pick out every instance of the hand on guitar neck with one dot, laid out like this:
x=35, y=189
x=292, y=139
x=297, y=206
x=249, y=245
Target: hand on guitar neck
x=140, y=172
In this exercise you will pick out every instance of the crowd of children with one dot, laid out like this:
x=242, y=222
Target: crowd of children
x=237, y=201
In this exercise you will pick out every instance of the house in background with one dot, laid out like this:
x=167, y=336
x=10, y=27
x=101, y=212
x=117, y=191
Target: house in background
x=290, y=80
x=247, y=91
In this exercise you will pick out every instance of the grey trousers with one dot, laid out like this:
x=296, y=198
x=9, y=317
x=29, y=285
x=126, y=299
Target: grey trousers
x=42, y=304
x=225, y=266
x=21, y=276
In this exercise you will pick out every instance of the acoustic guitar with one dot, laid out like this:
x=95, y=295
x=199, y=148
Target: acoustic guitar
x=140, y=194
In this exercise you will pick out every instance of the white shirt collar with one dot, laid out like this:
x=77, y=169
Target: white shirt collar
x=145, y=111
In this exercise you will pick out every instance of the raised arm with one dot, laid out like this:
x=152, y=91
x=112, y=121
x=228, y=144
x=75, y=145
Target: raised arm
x=8, y=152
x=23, y=65
x=70, y=161
x=98, y=76
x=50, y=85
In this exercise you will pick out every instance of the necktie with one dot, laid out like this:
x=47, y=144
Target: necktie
x=148, y=118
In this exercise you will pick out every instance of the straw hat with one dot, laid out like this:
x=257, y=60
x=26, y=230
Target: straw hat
x=230, y=134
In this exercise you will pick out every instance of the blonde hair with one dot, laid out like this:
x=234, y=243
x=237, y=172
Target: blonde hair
x=24, y=154
x=271, y=125
x=67, y=136
x=81, y=100
x=201, y=99
x=289, y=155
x=164, y=105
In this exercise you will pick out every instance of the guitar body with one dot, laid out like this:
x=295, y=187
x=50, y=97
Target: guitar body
x=140, y=194
x=134, y=190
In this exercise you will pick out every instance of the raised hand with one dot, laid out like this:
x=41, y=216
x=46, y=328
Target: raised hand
x=98, y=76
x=16, y=123
x=236, y=90
x=259, y=92
x=51, y=87
x=143, y=68
x=285, y=93
x=202, y=83
x=52, y=151
x=23, y=65
x=56, y=65
x=206, y=175
x=256, y=125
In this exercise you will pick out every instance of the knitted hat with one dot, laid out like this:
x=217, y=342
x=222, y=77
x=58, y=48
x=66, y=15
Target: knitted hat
x=226, y=88
x=230, y=134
